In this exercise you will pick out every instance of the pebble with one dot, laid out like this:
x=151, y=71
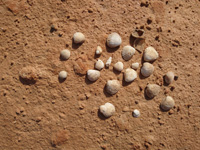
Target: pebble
x=128, y=52
x=112, y=86
x=107, y=109
x=98, y=50
x=150, y=54
x=78, y=37
x=118, y=66
x=29, y=73
x=147, y=69
x=152, y=90
x=62, y=75
x=99, y=64
x=65, y=54
x=93, y=75
x=169, y=77
x=167, y=103
x=135, y=66
x=114, y=40
x=108, y=62
x=130, y=75
x=136, y=113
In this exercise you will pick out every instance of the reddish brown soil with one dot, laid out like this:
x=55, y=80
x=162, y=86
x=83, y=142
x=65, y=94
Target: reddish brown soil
x=46, y=114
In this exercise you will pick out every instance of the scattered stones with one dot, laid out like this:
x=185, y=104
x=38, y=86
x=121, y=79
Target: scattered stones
x=108, y=62
x=167, y=103
x=98, y=50
x=169, y=77
x=118, y=66
x=147, y=69
x=112, y=86
x=136, y=113
x=78, y=38
x=152, y=90
x=135, y=66
x=107, y=109
x=29, y=74
x=150, y=54
x=99, y=64
x=62, y=75
x=130, y=75
x=93, y=75
x=114, y=40
x=128, y=52
x=65, y=54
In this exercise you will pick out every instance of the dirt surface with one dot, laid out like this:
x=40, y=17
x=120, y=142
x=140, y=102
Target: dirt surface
x=39, y=112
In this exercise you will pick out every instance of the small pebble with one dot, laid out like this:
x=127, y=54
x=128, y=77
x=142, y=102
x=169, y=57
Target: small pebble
x=147, y=69
x=169, y=77
x=108, y=62
x=112, y=86
x=99, y=64
x=93, y=75
x=98, y=50
x=114, y=40
x=167, y=103
x=29, y=73
x=62, y=75
x=150, y=54
x=118, y=66
x=65, y=54
x=78, y=38
x=135, y=66
x=107, y=109
x=136, y=113
x=128, y=52
x=130, y=75
x=152, y=90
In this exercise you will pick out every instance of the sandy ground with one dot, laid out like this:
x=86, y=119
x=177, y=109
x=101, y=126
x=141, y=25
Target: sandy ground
x=46, y=114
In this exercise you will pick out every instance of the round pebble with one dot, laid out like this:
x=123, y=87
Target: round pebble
x=98, y=50
x=135, y=66
x=112, y=86
x=128, y=52
x=147, y=69
x=65, y=54
x=169, y=77
x=167, y=103
x=136, y=113
x=107, y=109
x=130, y=75
x=99, y=64
x=152, y=90
x=114, y=40
x=93, y=75
x=62, y=75
x=118, y=66
x=150, y=54
x=78, y=37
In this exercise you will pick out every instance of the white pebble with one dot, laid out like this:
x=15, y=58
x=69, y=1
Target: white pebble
x=169, y=77
x=108, y=62
x=62, y=75
x=99, y=64
x=150, y=54
x=93, y=75
x=130, y=75
x=136, y=113
x=112, y=86
x=118, y=66
x=135, y=65
x=114, y=40
x=167, y=103
x=152, y=90
x=147, y=69
x=128, y=52
x=78, y=38
x=98, y=50
x=107, y=109
x=65, y=54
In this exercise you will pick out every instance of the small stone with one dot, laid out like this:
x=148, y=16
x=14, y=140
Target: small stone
x=78, y=38
x=108, y=62
x=118, y=66
x=136, y=113
x=112, y=86
x=93, y=75
x=150, y=54
x=128, y=52
x=28, y=73
x=99, y=64
x=152, y=90
x=135, y=66
x=130, y=75
x=107, y=109
x=114, y=40
x=169, y=77
x=62, y=75
x=65, y=54
x=167, y=103
x=147, y=69
x=98, y=50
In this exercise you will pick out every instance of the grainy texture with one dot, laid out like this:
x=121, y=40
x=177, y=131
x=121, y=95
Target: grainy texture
x=33, y=32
